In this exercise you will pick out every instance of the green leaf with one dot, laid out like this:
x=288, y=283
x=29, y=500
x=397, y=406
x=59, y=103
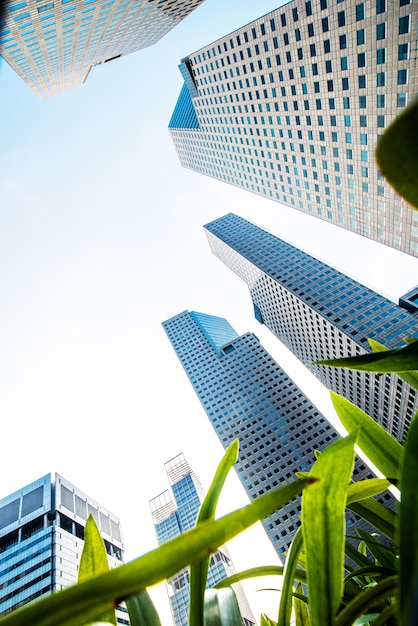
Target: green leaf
x=82, y=602
x=356, y=556
x=365, y=600
x=382, y=553
x=221, y=608
x=410, y=377
x=94, y=561
x=323, y=525
x=255, y=572
x=142, y=611
x=408, y=530
x=285, y=608
x=363, y=489
x=397, y=157
x=266, y=621
x=379, y=516
x=383, y=450
x=301, y=609
x=374, y=571
x=199, y=571
x=386, y=362
x=364, y=620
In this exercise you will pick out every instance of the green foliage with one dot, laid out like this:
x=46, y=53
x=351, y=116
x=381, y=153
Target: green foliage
x=221, y=608
x=397, y=156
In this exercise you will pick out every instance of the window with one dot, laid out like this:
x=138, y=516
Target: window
x=308, y=8
x=343, y=42
x=363, y=121
x=341, y=18
x=325, y=25
x=312, y=49
x=360, y=37
x=345, y=84
x=346, y=103
x=298, y=36
x=327, y=46
x=363, y=139
x=311, y=32
x=328, y=67
x=288, y=56
x=380, y=101
x=316, y=87
x=324, y=4
x=404, y=25
x=403, y=51
x=331, y=104
x=360, y=12
x=401, y=100
x=402, y=77
x=315, y=69
x=347, y=120
x=381, y=56
x=361, y=59
x=295, y=14
x=344, y=63
x=330, y=85
x=362, y=82
x=381, y=79
x=283, y=19
x=380, y=6
x=381, y=121
x=381, y=31
x=273, y=24
x=362, y=101
x=286, y=39
x=300, y=54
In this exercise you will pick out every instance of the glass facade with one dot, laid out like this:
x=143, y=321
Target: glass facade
x=53, y=44
x=292, y=105
x=320, y=313
x=41, y=540
x=174, y=515
x=246, y=395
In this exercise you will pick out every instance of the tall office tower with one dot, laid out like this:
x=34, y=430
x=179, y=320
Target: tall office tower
x=53, y=44
x=291, y=107
x=320, y=313
x=171, y=518
x=246, y=395
x=41, y=540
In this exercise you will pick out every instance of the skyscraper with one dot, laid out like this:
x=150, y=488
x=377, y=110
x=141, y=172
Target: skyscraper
x=172, y=518
x=291, y=107
x=53, y=44
x=41, y=540
x=246, y=395
x=320, y=313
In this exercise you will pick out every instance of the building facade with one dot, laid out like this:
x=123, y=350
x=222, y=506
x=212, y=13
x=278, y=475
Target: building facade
x=320, y=313
x=41, y=540
x=291, y=107
x=176, y=512
x=246, y=395
x=53, y=44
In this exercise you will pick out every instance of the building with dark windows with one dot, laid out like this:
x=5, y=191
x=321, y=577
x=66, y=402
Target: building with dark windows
x=175, y=512
x=53, y=44
x=246, y=395
x=41, y=540
x=320, y=313
x=291, y=107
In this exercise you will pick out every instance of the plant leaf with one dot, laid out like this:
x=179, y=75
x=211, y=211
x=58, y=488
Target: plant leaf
x=323, y=525
x=301, y=609
x=408, y=530
x=386, y=362
x=94, y=561
x=266, y=621
x=410, y=377
x=81, y=602
x=199, y=570
x=142, y=611
x=379, y=516
x=285, y=607
x=366, y=599
x=397, y=157
x=383, y=554
x=221, y=608
x=255, y=572
x=383, y=450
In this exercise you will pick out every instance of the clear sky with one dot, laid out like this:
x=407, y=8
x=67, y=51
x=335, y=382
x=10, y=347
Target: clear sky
x=100, y=241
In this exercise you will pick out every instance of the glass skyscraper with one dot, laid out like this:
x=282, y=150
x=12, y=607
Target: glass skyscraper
x=174, y=515
x=291, y=107
x=246, y=395
x=41, y=540
x=320, y=313
x=53, y=44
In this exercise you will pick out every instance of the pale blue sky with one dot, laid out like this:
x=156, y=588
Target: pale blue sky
x=100, y=241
